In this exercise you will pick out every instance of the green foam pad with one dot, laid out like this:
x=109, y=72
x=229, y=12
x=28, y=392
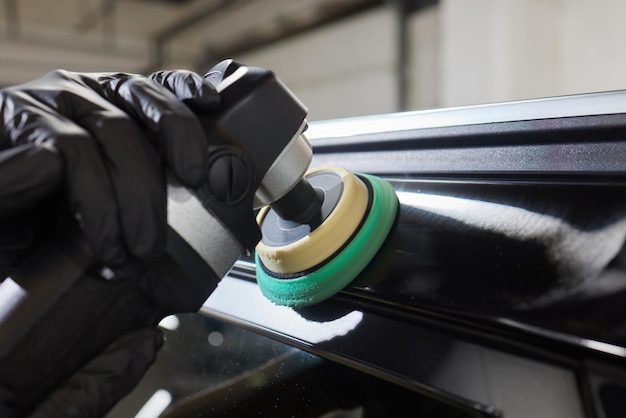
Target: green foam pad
x=335, y=274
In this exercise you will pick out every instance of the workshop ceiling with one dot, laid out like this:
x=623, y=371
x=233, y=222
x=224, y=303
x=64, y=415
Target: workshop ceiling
x=37, y=36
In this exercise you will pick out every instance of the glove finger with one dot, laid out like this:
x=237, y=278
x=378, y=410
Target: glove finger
x=91, y=197
x=131, y=164
x=193, y=90
x=95, y=389
x=85, y=182
x=28, y=174
x=176, y=127
x=21, y=234
x=136, y=173
x=102, y=146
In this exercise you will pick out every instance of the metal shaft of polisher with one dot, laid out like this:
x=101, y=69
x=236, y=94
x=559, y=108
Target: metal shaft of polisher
x=301, y=204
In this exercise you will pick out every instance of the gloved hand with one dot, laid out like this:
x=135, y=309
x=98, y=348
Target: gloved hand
x=98, y=145
x=96, y=137
x=93, y=390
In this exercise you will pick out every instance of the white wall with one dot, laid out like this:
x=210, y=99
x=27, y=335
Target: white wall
x=343, y=69
x=460, y=52
x=594, y=42
x=499, y=50
x=424, y=59
x=514, y=49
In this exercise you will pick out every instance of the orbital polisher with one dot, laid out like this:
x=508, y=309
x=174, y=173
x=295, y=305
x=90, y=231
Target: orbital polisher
x=319, y=229
x=316, y=231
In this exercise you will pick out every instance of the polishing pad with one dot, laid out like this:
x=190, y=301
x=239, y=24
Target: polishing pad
x=300, y=265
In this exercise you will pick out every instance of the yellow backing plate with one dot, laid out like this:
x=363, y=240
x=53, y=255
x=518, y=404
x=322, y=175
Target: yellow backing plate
x=327, y=238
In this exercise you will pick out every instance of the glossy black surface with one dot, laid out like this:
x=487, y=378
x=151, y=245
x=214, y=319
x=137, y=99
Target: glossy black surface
x=549, y=255
x=501, y=290
x=485, y=377
x=512, y=214
x=508, y=250
x=234, y=372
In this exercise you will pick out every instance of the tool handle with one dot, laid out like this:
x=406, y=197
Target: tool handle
x=42, y=279
x=179, y=281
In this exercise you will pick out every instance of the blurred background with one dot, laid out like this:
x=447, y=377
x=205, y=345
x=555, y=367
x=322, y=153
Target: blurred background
x=341, y=57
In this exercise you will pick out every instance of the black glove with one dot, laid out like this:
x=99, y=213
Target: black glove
x=93, y=143
x=93, y=391
x=95, y=137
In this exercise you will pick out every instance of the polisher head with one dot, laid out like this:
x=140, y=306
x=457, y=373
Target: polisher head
x=303, y=264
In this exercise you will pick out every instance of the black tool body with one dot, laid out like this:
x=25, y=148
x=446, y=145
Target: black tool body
x=257, y=117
